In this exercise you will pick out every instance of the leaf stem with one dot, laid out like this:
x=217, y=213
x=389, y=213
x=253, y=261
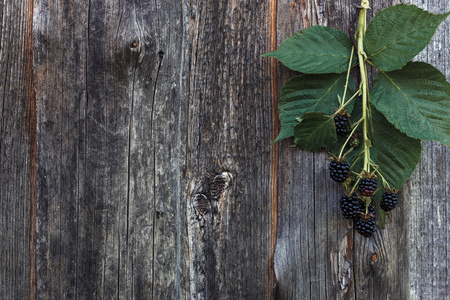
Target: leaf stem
x=345, y=104
x=350, y=135
x=346, y=81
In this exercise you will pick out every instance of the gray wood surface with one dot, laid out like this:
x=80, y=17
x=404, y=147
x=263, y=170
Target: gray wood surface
x=135, y=161
x=17, y=151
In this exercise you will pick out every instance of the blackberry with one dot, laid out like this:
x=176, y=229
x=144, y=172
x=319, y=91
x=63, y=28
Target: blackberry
x=366, y=228
x=341, y=123
x=349, y=206
x=367, y=186
x=388, y=201
x=365, y=224
x=339, y=170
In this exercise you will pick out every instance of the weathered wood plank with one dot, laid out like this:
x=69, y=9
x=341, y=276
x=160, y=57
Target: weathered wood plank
x=317, y=257
x=17, y=151
x=429, y=228
x=228, y=160
x=157, y=210
x=111, y=146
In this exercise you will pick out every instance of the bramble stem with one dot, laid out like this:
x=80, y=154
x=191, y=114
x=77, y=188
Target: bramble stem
x=360, y=31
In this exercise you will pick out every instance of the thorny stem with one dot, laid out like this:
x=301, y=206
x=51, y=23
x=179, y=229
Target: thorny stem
x=360, y=31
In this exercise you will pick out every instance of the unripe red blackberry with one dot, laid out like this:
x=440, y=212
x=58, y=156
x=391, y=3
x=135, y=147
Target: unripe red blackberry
x=349, y=206
x=339, y=170
x=388, y=201
x=365, y=224
x=367, y=186
x=341, y=123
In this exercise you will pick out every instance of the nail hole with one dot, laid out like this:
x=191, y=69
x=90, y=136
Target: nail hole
x=133, y=45
x=161, y=54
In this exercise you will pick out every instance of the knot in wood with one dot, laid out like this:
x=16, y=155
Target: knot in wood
x=220, y=183
x=201, y=204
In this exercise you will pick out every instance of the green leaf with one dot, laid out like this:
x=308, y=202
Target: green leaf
x=396, y=154
x=398, y=33
x=315, y=131
x=315, y=50
x=377, y=199
x=310, y=93
x=416, y=99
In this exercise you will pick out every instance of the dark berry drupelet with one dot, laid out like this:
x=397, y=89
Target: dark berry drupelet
x=350, y=206
x=365, y=224
x=341, y=122
x=339, y=170
x=388, y=201
x=367, y=186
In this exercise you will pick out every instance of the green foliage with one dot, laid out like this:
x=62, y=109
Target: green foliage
x=397, y=34
x=315, y=50
x=416, y=99
x=395, y=153
x=315, y=131
x=310, y=93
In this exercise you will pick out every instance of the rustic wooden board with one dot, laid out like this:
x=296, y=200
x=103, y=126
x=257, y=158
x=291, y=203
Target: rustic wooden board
x=228, y=159
x=429, y=190
x=17, y=151
x=318, y=256
x=154, y=125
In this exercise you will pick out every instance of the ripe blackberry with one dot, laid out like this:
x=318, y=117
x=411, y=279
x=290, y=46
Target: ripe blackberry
x=339, y=170
x=367, y=186
x=366, y=227
x=341, y=123
x=349, y=206
x=365, y=224
x=388, y=201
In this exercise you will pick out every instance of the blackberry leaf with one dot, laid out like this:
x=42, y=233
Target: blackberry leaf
x=416, y=100
x=315, y=131
x=315, y=50
x=310, y=93
x=398, y=33
x=396, y=154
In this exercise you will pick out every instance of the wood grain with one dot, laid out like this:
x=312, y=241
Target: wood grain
x=17, y=151
x=229, y=132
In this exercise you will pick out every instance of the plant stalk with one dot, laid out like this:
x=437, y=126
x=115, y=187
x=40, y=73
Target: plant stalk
x=360, y=32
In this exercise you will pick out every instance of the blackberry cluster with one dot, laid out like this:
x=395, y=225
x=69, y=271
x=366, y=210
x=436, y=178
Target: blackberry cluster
x=339, y=171
x=367, y=186
x=341, y=122
x=350, y=206
x=388, y=201
x=365, y=224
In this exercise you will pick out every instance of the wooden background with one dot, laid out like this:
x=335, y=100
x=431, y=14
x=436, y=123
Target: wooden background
x=135, y=161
